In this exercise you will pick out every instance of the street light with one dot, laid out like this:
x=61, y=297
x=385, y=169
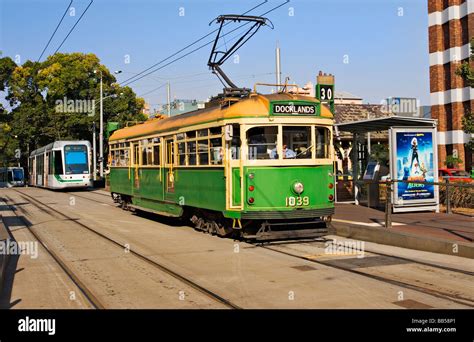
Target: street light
x=101, y=126
x=101, y=130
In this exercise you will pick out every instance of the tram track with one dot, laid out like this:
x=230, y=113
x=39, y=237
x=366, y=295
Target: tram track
x=60, y=215
x=428, y=264
x=439, y=294
x=88, y=294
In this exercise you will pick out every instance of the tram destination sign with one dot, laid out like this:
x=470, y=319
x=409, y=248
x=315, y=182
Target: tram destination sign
x=289, y=108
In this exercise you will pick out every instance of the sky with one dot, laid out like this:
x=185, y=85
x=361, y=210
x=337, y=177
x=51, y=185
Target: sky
x=375, y=48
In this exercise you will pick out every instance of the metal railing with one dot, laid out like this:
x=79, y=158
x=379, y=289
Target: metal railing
x=388, y=192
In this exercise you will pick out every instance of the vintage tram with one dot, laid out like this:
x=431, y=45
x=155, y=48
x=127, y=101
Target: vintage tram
x=259, y=167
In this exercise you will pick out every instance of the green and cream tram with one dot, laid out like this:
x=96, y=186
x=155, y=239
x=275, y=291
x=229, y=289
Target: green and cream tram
x=256, y=167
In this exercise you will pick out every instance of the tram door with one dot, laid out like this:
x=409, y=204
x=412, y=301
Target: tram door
x=46, y=169
x=169, y=166
x=33, y=171
x=233, y=167
x=136, y=168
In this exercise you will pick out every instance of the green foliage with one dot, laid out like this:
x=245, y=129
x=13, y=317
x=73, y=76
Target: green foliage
x=452, y=161
x=459, y=197
x=6, y=68
x=40, y=93
x=380, y=153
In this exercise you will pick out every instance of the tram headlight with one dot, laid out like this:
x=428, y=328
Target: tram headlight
x=298, y=187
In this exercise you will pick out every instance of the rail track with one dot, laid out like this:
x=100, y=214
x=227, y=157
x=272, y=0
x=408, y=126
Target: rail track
x=446, y=268
x=60, y=215
x=439, y=294
x=88, y=294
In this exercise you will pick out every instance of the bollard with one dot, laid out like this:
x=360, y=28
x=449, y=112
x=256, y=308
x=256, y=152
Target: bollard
x=388, y=206
x=448, y=202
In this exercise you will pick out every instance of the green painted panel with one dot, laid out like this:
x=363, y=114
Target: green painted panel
x=273, y=187
x=119, y=181
x=236, y=188
x=161, y=207
x=202, y=188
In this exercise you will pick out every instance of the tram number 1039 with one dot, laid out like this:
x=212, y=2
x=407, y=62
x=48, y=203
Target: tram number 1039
x=292, y=201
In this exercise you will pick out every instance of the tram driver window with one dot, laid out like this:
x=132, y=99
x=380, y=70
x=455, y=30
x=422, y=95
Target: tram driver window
x=262, y=142
x=322, y=142
x=296, y=142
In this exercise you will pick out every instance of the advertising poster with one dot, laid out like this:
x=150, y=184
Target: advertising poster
x=415, y=160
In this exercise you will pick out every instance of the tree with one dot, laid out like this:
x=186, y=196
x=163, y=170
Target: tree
x=466, y=71
x=380, y=153
x=8, y=143
x=59, y=99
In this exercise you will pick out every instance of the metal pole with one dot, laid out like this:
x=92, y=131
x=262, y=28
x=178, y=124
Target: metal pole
x=278, y=67
x=388, y=206
x=94, y=149
x=355, y=167
x=101, y=133
x=448, y=202
x=368, y=138
x=168, y=91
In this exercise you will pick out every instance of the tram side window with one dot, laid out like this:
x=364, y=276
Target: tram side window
x=262, y=142
x=181, y=153
x=156, y=155
x=40, y=164
x=216, y=151
x=191, y=151
x=147, y=153
x=296, y=142
x=322, y=142
x=58, y=163
x=203, y=152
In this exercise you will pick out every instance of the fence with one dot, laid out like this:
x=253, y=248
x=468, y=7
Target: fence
x=385, y=189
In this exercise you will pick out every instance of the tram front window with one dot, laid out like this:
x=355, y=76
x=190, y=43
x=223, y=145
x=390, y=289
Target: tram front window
x=262, y=142
x=76, y=159
x=18, y=175
x=322, y=142
x=296, y=142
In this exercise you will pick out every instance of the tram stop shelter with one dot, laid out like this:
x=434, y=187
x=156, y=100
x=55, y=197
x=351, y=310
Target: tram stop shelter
x=401, y=129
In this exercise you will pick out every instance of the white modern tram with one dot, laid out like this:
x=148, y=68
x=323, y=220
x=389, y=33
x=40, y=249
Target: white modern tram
x=61, y=165
x=11, y=177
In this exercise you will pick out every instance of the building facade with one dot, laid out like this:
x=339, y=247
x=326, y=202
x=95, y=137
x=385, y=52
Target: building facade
x=451, y=27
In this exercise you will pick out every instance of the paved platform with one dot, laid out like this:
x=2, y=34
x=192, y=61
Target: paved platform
x=429, y=224
x=430, y=230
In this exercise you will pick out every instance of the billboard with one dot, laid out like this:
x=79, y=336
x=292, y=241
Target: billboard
x=414, y=158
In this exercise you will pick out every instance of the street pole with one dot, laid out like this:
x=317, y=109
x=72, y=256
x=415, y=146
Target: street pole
x=94, y=149
x=101, y=133
x=278, y=67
